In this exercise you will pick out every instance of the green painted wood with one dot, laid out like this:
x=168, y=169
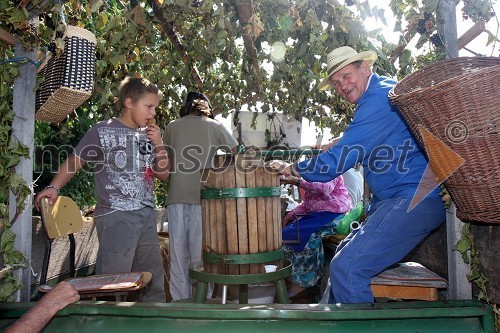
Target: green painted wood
x=123, y=317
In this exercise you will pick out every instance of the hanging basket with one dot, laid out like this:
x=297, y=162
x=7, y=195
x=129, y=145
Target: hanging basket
x=68, y=79
x=458, y=101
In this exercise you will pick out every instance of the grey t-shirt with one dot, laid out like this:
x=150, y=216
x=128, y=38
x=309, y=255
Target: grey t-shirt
x=122, y=174
x=193, y=142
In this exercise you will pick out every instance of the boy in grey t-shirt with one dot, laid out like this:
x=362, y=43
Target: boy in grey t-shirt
x=128, y=152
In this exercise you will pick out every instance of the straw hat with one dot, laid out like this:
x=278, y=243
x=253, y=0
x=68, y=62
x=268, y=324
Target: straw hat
x=341, y=57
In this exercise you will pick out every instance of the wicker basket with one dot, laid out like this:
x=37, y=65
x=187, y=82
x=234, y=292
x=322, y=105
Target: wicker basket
x=458, y=101
x=69, y=79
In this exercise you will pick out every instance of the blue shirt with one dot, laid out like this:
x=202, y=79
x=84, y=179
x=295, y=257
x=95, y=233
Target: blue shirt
x=379, y=138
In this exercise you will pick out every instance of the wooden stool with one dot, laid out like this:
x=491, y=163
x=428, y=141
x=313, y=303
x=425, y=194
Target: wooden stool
x=119, y=286
x=408, y=280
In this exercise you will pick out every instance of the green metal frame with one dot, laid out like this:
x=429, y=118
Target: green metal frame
x=240, y=192
x=287, y=153
x=278, y=277
x=397, y=317
x=241, y=259
x=280, y=273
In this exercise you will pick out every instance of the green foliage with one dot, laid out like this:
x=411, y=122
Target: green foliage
x=478, y=10
x=11, y=152
x=8, y=286
x=470, y=255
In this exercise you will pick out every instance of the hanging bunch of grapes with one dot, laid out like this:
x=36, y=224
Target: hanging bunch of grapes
x=425, y=24
x=436, y=40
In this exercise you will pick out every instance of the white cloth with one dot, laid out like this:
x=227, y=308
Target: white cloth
x=353, y=181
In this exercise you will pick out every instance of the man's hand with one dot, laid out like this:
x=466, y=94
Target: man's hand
x=330, y=144
x=281, y=167
x=289, y=180
x=40, y=315
x=62, y=294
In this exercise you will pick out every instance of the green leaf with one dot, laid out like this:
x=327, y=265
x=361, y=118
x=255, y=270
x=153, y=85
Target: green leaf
x=16, y=181
x=4, y=210
x=405, y=58
x=7, y=240
x=374, y=33
x=422, y=40
x=430, y=6
x=491, y=38
x=286, y=23
x=102, y=20
x=115, y=59
x=462, y=246
x=12, y=160
x=20, y=149
x=17, y=15
x=381, y=15
x=117, y=37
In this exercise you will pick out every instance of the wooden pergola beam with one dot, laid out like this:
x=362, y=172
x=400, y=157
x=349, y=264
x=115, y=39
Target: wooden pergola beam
x=470, y=34
x=462, y=41
x=7, y=37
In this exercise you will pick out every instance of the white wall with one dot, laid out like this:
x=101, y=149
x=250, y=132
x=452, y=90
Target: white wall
x=297, y=134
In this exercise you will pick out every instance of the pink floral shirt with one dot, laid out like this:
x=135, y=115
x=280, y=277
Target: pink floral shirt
x=324, y=197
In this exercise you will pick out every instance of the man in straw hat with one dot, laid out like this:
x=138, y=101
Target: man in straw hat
x=394, y=166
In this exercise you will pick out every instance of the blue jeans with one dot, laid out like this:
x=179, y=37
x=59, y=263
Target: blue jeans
x=385, y=237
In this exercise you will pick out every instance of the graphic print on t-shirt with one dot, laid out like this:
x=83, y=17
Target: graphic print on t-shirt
x=128, y=155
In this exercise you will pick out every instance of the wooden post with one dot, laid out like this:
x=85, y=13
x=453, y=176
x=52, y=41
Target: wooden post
x=23, y=130
x=447, y=26
x=459, y=286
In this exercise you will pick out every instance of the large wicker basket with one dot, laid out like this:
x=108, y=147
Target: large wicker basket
x=458, y=101
x=68, y=79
